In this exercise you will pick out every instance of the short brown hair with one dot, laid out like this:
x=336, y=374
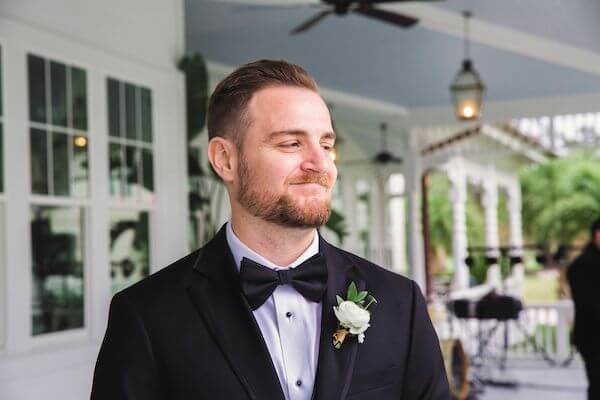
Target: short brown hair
x=228, y=104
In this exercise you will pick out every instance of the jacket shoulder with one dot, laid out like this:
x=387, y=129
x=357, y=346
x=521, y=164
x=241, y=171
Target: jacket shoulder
x=162, y=282
x=376, y=273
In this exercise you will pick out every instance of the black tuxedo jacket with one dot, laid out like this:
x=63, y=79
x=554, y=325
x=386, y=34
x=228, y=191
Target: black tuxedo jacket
x=187, y=332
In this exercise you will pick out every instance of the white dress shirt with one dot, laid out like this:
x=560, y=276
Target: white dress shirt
x=290, y=324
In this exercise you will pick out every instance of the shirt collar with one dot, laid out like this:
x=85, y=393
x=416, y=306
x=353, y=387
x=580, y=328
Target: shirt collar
x=240, y=250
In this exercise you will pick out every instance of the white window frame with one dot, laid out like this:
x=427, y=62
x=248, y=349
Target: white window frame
x=134, y=203
x=168, y=115
x=84, y=203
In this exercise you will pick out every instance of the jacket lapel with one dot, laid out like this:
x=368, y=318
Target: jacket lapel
x=216, y=293
x=335, y=366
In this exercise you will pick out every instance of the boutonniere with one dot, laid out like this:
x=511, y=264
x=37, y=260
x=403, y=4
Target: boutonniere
x=352, y=315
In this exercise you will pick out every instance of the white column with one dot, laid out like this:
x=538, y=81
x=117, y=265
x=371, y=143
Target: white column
x=348, y=182
x=97, y=272
x=170, y=219
x=413, y=207
x=377, y=242
x=17, y=188
x=397, y=221
x=492, y=240
x=514, y=216
x=516, y=236
x=458, y=197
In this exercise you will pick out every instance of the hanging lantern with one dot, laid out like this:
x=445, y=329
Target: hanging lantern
x=467, y=89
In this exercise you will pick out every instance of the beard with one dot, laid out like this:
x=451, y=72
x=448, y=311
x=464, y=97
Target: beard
x=282, y=209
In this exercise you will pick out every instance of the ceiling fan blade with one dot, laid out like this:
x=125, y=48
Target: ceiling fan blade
x=401, y=20
x=309, y=23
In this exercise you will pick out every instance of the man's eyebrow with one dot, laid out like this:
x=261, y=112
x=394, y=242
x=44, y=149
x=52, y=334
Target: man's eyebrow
x=297, y=132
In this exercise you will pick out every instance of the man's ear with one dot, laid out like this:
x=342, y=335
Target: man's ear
x=222, y=155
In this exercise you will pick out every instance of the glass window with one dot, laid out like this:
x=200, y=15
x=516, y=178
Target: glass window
x=130, y=141
x=129, y=247
x=58, y=90
x=146, y=115
x=58, y=115
x=114, y=108
x=39, y=161
x=37, y=89
x=57, y=261
x=60, y=155
x=78, y=99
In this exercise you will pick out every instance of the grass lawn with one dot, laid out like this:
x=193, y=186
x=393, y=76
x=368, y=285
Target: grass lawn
x=540, y=288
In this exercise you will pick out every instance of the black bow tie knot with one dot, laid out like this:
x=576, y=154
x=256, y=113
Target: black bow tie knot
x=259, y=282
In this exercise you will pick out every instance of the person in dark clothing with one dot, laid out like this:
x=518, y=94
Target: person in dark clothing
x=584, y=277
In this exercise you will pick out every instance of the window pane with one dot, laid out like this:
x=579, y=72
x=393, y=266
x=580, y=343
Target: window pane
x=130, y=112
x=37, y=89
x=148, y=172
x=146, y=98
x=60, y=155
x=39, y=162
x=129, y=248
x=79, y=99
x=79, y=185
x=114, y=107
x=132, y=162
x=116, y=164
x=57, y=250
x=58, y=88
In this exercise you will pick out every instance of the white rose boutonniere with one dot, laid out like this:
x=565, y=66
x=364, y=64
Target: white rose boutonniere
x=352, y=315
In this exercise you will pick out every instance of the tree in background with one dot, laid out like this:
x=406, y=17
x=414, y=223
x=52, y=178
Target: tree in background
x=561, y=198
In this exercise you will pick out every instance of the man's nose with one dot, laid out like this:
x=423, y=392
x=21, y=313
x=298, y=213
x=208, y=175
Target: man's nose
x=316, y=158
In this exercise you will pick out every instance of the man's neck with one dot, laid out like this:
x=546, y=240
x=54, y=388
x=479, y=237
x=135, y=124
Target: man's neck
x=278, y=244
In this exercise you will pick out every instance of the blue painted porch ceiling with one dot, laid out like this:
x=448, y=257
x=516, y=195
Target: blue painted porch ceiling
x=573, y=22
x=358, y=55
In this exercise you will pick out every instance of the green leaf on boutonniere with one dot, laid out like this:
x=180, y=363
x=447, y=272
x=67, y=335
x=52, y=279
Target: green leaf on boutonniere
x=339, y=299
x=352, y=292
x=360, y=297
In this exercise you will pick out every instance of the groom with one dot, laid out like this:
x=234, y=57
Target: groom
x=251, y=314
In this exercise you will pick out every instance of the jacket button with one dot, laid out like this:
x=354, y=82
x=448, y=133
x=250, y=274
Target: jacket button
x=298, y=383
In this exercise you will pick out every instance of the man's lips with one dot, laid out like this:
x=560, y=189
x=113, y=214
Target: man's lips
x=309, y=184
x=310, y=187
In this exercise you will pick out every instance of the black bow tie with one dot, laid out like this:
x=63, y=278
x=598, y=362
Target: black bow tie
x=259, y=282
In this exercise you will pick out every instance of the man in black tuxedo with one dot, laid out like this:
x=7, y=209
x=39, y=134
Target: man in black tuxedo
x=583, y=275
x=251, y=314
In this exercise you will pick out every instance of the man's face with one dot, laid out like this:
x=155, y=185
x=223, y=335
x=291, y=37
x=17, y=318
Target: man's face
x=285, y=171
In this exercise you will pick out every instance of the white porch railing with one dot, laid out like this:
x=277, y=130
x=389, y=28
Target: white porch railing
x=542, y=330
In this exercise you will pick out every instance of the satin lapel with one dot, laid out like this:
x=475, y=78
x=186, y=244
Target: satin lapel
x=216, y=293
x=335, y=367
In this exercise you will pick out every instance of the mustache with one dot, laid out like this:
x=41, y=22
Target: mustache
x=320, y=179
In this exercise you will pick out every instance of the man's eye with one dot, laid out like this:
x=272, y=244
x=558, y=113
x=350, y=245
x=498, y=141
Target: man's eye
x=327, y=146
x=291, y=144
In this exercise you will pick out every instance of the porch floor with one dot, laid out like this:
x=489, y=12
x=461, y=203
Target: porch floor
x=535, y=379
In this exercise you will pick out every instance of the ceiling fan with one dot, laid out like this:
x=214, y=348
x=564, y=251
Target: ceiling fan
x=362, y=7
x=383, y=157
